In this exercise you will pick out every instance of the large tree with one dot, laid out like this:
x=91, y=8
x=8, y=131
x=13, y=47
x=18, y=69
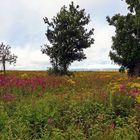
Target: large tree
x=67, y=36
x=6, y=56
x=126, y=42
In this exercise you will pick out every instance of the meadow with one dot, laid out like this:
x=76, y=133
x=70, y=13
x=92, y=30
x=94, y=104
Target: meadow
x=102, y=105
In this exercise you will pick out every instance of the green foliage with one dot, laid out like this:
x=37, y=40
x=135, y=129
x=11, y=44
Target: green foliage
x=3, y=122
x=122, y=104
x=68, y=37
x=133, y=5
x=50, y=119
x=78, y=110
x=126, y=42
x=57, y=72
x=124, y=133
x=122, y=69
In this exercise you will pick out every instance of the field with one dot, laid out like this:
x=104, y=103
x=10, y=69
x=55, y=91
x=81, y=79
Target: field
x=84, y=106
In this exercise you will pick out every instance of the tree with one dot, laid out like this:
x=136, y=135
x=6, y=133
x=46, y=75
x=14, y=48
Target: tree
x=68, y=37
x=6, y=56
x=126, y=42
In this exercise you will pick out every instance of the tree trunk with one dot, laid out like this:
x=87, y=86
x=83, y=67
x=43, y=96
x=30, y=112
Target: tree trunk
x=137, y=69
x=3, y=63
x=64, y=69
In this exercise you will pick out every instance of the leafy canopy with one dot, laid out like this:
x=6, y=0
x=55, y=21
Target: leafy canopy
x=126, y=42
x=67, y=36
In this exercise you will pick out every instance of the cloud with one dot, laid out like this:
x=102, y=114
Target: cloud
x=29, y=58
x=98, y=53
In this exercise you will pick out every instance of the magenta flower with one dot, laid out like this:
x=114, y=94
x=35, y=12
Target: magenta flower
x=122, y=87
x=8, y=97
x=133, y=92
x=50, y=120
x=29, y=85
x=113, y=125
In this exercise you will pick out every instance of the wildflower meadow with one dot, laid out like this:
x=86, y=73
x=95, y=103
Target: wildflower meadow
x=83, y=106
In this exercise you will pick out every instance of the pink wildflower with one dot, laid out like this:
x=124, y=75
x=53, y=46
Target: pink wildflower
x=133, y=92
x=113, y=125
x=50, y=120
x=8, y=97
x=122, y=87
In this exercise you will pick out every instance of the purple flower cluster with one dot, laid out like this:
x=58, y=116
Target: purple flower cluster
x=8, y=97
x=13, y=84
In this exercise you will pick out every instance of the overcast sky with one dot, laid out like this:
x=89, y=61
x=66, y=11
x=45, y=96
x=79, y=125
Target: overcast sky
x=23, y=28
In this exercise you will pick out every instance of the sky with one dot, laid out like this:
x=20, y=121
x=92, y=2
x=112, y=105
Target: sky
x=22, y=27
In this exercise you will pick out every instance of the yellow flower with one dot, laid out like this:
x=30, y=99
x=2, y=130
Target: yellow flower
x=2, y=72
x=138, y=98
x=129, y=84
x=71, y=82
x=115, y=87
x=81, y=76
x=24, y=76
x=133, y=121
x=135, y=85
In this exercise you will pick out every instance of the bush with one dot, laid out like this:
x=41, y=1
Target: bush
x=52, y=119
x=123, y=104
x=54, y=71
